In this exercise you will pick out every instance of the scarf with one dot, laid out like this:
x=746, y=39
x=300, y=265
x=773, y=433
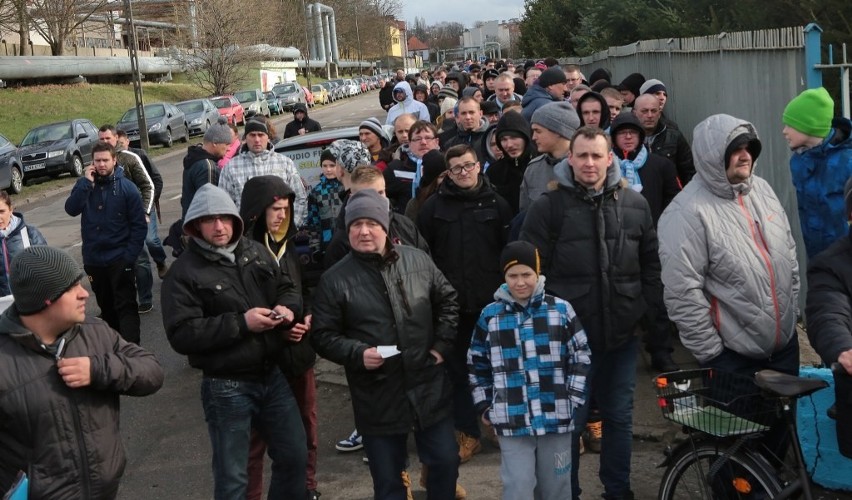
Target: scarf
x=226, y=252
x=630, y=168
x=14, y=222
x=418, y=172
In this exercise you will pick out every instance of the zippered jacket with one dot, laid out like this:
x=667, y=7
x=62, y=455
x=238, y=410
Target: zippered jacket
x=728, y=257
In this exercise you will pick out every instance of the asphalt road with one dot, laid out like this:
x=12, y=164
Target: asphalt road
x=165, y=435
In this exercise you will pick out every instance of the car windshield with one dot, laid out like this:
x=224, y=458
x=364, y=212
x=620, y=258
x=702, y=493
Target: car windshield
x=316, y=88
x=155, y=111
x=190, y=107
x=246, y=96
x=284, y=89
x=222, y=102
x=270, y=95
x=48, y=133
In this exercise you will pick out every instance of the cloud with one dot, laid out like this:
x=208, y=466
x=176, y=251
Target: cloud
x=467, y=13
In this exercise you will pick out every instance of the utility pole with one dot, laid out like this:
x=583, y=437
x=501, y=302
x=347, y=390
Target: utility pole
x=307, y=46
x=358, y=37
x=137, y=78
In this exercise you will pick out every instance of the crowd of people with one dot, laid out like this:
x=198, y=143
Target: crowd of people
x=483, y=263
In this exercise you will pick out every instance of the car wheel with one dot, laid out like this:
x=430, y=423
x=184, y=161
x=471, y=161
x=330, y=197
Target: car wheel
x=185, y=133
x=168, y=142
x=77, y=166
x=17, y=184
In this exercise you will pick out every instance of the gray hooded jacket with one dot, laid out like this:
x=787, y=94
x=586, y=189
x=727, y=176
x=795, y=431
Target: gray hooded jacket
x=409, y=105
x=728, y=257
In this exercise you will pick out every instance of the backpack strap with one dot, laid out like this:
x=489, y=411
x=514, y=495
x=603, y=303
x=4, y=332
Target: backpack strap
x=25, y=237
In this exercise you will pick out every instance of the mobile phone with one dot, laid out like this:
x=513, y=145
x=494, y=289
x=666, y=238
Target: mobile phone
x=275, y=315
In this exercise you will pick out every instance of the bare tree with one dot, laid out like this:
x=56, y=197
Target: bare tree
x=14, y=18
x=226, y=35
x=56, y=20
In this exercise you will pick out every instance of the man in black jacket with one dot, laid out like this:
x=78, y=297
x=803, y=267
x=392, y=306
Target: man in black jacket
x=301, y=124
x=599, y=249
x=227, y=305
x=388, y=315
x=470, y=127
x=466, y=224
x=662, y=139
x=507, y=173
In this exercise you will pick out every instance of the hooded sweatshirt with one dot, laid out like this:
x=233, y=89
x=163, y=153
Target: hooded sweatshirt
x=535, y=97
x=605, y=119
x=292, y=128
x=728, y=257
x=407, y=105
x=17, y=236
x=199, y=168
x=507, y=173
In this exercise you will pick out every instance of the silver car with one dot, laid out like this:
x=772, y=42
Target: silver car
x=200, y=114
x=254, y=101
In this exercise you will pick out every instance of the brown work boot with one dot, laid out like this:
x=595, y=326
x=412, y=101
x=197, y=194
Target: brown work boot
x=490, y=435
x=468, y=446
x=595, y=433
x=406, y=481
x=461, y=494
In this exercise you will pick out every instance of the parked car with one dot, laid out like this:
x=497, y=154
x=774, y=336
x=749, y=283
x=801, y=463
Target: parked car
x=230, y=108
x=320, y=94
x=309, y=97
x=276, y=106
x=362, y=83
x=290, y=94
x=11, y=174
x=352, y=87
x=200, y=114
x=305, y=150
x=253, y=100
x=340, y=89
x=57, y=148
x=163, y=120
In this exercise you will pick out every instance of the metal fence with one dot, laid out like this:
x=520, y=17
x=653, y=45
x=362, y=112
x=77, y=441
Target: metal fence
x=751, y=75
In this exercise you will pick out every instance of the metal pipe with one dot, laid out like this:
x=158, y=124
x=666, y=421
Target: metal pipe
x=333, y=36
x=320, y=41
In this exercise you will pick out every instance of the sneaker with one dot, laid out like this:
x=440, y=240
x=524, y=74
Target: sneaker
x=595, y=432
x=145, y=308
x=162, y=269
x=353, y=443
x=468, y=446
x=406, y=481
x=314, y=495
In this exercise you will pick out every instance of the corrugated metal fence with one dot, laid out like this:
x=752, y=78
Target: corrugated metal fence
x=751, y=75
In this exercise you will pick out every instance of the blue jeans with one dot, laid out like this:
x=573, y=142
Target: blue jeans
x=436, y=448
x=611, y=381
x=144, y=276
x=466, y=418
x=231, y=408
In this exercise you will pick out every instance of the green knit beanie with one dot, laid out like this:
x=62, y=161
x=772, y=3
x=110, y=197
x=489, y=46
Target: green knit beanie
x=811, y=112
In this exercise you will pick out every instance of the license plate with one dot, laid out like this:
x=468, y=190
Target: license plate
x=34, y=166
x=133, y=137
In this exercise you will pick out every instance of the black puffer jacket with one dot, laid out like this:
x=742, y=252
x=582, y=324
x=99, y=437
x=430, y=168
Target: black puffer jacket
x=473, y=138
x=310, y=125
x=466, y=231
x=199, y=168
x=669, y=142
x=67, y=440
x=828, y=310
x=507, y=173
x=599, y=252
x=368, y=300
x=399, y=175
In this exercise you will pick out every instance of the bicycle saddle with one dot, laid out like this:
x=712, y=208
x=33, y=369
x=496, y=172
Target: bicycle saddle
x=787, y=385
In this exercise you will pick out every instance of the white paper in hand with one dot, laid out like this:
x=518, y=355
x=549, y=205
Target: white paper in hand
x=387, y=351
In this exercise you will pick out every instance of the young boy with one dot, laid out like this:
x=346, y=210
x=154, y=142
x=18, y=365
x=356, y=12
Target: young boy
x=528, y=361
x=324, y=200
x=820, y=165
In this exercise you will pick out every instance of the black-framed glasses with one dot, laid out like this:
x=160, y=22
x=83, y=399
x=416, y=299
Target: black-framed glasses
x=467, y=167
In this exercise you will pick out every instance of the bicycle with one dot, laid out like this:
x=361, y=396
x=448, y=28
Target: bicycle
x=727, y=418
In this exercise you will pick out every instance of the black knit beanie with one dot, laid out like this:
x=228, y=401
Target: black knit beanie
x=40, y=275
x=520, y=252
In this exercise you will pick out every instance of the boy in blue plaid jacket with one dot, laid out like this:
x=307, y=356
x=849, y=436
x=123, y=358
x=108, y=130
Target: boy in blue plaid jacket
x=325, y=201
x=528, y=361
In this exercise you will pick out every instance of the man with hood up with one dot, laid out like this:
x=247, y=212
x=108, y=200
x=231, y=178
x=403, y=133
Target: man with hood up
x=301, y=124
x=593, y=110
x=405, y=103
x=470, y=127
x=466, y=224
x=729, y=262
x=266, y=211
x=599, y=252
x=507, y=173
x=228, y=306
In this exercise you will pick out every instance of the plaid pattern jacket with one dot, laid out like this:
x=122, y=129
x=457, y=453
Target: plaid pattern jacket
x=324, y=203
x=528, y=364
x=246, y=165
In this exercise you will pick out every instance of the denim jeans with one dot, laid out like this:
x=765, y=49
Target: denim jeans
x=611, y=381
x=436, y=448
x=231, y=407
x=144, y=276
x=466, y=418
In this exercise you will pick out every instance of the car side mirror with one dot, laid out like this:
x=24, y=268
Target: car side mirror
x=82, y=135
x=169, y=115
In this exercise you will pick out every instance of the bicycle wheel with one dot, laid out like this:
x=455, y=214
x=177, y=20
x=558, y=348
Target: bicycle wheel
x=743, y=475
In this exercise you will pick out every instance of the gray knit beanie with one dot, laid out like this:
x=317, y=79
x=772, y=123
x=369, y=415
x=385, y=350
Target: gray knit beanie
x=372, y=124
x=218, y=133
x=368, y=204
x=350, y=153
x=558, y=117
x=40, y=275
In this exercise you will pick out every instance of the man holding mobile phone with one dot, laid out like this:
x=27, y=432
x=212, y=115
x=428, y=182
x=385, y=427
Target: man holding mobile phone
x=113, y=230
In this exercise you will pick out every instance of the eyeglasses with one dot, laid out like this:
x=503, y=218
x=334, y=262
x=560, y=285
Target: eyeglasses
x=421, y=139
x=467, y=167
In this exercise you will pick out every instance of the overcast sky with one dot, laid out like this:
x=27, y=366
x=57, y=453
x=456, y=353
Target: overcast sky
x=465, y=12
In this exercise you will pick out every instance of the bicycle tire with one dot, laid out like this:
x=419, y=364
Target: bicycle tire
x=685, y=476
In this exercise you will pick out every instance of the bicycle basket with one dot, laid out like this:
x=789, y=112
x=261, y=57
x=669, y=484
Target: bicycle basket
x=714, y=402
